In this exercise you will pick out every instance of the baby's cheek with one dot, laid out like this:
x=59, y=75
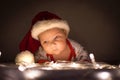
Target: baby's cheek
x=62, y=45
x=47, y=49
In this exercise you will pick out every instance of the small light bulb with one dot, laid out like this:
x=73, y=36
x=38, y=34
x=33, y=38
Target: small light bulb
x=0, y=53
x=104, y=76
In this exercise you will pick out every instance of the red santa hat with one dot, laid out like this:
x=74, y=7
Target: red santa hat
x=30, y=42
x=49, y=23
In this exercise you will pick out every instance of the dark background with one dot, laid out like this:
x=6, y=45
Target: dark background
x=94, y=24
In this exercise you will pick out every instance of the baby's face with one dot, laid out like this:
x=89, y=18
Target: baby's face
x=53, y=41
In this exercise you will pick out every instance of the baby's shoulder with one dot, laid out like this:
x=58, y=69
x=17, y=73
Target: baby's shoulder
x=75, y=43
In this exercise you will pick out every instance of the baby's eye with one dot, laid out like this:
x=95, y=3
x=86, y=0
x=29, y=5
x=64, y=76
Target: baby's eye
x=57, y=37
x=45, y=42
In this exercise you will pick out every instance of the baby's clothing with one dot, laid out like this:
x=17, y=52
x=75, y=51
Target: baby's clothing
x=77, y=53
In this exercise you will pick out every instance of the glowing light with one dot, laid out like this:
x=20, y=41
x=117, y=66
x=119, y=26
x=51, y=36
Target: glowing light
x=95, y=65
x=21, y=68
x=47, y=68
x=32, y=74
x=0, y=53
x=92, y=58
x=75, y=65
x=56, y=66
x=104, y=76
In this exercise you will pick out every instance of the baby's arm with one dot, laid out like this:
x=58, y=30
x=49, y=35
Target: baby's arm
x=82, y=56
x=40, y=57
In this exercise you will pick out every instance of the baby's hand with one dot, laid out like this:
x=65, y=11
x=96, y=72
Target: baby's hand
x=42, y=61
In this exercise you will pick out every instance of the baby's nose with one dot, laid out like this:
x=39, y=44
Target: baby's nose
x=53, y=45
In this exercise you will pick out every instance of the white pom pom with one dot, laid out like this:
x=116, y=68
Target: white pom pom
x=24, y=58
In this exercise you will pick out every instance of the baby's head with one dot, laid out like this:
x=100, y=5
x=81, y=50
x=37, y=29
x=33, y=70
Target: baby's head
x=51, y=33
x=44, y=25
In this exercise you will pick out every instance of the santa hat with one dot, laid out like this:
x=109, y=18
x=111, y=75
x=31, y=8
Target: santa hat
x=32, y=44
x=48, y=23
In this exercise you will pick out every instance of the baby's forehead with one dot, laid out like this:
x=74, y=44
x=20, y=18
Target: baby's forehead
x=52, y=33
x=60, y=31
x=56, y=30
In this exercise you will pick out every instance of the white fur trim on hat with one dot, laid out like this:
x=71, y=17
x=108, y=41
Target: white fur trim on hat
x=24, y=58
x=44, y=25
